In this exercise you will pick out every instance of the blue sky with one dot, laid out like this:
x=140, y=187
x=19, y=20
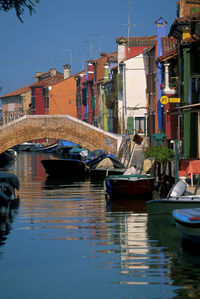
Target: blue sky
x=66, y=31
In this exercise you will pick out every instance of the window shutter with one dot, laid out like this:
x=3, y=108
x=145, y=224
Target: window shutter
x=130, y=125
x=93, y=103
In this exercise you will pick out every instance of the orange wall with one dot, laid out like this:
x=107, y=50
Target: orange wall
x=62, y=97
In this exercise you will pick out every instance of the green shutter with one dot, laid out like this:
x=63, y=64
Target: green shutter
x=93, y=103
x=130, y=125
x=195, y=10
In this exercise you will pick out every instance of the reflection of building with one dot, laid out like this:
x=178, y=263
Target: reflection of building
x=134, y=245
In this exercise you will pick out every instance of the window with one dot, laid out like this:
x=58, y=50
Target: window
x=140, y=124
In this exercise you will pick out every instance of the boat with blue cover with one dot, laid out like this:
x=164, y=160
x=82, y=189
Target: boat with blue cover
x=188, y=223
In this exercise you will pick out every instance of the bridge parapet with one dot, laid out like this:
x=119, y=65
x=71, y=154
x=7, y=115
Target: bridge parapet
x=66, y=127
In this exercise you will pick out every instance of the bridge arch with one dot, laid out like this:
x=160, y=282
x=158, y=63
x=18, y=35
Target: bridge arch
x=32, y=127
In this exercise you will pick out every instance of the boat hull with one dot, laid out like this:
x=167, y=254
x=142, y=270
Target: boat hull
x=65, y=167
x=129, y=187
x=44, y=149
x=188, y=223
x=167, y=205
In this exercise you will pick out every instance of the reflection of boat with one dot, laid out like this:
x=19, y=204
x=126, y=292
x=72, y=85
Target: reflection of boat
x=53, y=182
x=7, y=215
x=43, y=148
x=188, y=223
x=8, y=180
x=129, y=186
x=65, y=167
x=163, y=229
x=126, y=205
x=7, y=157
x=175, y=200
x=8, y=184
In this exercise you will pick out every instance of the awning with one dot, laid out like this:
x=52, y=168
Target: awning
x=187, y=108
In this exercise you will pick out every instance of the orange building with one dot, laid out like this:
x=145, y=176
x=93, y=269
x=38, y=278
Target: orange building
x=62, y=96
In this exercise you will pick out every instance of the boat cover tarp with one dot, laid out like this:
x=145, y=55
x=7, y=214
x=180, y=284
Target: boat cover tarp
x=67, y=143
x=10, y=178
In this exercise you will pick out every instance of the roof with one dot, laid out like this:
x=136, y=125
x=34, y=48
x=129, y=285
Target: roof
x=187, y=19
x=44, y=83
x=48, y=81
x=47, y=74
x=169, y=44
x=168, y=56
x=193, y=1
x=138, y=41
x=18, y=91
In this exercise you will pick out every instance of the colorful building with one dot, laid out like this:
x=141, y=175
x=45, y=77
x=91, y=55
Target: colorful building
x=132, y=83
x=186, y=30
x=62, y=95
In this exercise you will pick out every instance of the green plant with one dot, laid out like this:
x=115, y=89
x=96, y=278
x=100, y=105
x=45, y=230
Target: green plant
x=159, y=153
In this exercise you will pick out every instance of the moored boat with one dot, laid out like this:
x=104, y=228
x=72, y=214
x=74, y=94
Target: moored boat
x=65, y=167
x=175, y=200
x=105, y=165
x=188, y=223
x=23, y=146
x=129, y=186
x=43, y=148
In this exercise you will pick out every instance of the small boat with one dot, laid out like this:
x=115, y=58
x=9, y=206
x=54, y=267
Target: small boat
x=23, y=146
x=175, y=200
x=63, y=148
x=129, y=186
x=188, y=223
x=105, y=165
x=43, y=148
x=65, y=167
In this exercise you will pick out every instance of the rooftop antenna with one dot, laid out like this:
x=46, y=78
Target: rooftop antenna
x=82, y=60
x=91, y=48
x=99, y=37
x=129, y=21
x=70, y=51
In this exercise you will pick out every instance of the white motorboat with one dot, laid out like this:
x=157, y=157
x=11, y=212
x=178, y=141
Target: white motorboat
x=176, y=199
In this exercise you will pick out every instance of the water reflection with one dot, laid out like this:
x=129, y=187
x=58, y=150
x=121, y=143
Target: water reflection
x=6, y=219
x=65, y=234
x=182, y=262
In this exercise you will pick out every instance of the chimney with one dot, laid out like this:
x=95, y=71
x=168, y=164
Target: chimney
x=38, y=75
x=67, y=71
x=53, y=72
x=121, y=49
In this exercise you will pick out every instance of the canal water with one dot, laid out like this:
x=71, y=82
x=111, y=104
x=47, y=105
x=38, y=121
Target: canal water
x=65, y=241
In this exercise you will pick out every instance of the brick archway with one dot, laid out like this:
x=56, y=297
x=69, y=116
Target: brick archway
x=31, y=127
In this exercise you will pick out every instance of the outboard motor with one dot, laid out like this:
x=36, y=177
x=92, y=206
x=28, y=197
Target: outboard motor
x=177, y=190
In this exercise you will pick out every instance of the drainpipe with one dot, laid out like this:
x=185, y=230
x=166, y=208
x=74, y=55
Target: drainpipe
x=124, y=100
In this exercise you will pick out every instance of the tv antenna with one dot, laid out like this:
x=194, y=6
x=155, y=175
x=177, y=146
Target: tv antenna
x=129, y=21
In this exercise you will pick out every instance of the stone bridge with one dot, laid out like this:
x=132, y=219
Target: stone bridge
x=65, y=127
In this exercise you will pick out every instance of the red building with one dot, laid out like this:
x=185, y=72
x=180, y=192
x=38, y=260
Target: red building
x=40, y=90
